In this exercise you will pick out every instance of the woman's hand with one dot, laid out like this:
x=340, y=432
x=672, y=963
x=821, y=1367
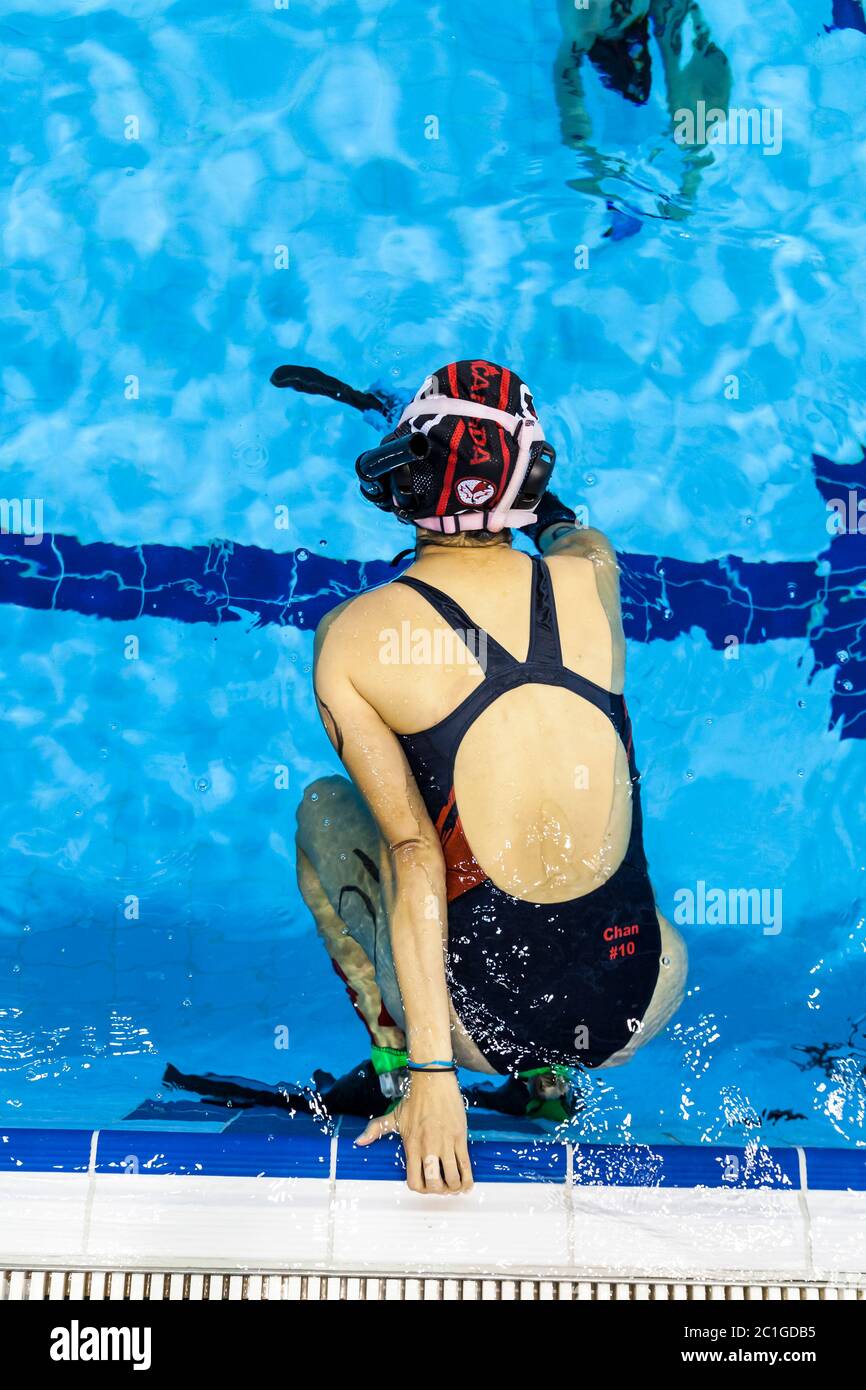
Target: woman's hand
x=431, y=1121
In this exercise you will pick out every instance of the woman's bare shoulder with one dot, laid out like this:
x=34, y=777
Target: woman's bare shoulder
x=353, y=620
x=583, y=543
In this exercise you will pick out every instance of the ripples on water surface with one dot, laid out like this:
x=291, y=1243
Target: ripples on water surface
x=150, y=265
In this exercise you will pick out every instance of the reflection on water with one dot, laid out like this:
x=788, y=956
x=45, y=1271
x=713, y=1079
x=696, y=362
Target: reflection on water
x=614, y=37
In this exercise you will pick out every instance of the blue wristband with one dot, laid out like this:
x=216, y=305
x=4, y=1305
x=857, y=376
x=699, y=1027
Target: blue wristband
x=437, y=1064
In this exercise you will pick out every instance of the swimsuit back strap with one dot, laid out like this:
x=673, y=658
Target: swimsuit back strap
x=545, y=648
x=544, y=643
x=486, y=650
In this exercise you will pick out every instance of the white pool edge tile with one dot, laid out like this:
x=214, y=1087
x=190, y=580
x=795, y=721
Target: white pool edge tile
x=145, y=1221
x=837, y=1234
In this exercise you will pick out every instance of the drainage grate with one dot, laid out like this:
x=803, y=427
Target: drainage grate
x=57, y=1284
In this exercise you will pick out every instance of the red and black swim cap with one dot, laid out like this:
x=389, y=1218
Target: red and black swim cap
x=472, y=465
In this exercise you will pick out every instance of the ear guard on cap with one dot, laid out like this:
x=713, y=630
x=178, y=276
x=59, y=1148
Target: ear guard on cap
x=542, y=457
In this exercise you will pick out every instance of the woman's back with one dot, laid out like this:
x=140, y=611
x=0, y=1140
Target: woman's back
x=540, y=777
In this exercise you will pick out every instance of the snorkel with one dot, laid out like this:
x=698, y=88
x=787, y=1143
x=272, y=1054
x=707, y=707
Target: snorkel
x=377, y=464
x=448, y=455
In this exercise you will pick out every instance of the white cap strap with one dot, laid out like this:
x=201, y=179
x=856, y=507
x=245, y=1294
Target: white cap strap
x=449, y=405
x=473, y=521
x=502, y=516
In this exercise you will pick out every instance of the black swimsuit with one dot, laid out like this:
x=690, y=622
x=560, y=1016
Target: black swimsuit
x=536, y=984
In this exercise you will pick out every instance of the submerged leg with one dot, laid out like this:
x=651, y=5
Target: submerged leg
x=574, y=121
x=338, y=875
x=706, y=77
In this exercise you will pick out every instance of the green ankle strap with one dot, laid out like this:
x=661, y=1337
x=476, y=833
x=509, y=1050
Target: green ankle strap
x=387, y=1059
x=544, y=1071
x=553, y=1108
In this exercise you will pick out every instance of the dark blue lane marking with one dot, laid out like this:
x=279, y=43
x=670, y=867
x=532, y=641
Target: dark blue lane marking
x=847, y=14
x=217, y=583
x=667, y=1165
x=824, y=1171
x=837, y=635
x=305, y=1152
x=823, y=600
x=533, y=1159
x=45, y=1150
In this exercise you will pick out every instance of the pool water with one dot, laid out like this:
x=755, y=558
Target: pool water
x=196, y=194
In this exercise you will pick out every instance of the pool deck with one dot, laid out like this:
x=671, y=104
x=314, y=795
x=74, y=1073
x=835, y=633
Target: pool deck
x=270, y=1193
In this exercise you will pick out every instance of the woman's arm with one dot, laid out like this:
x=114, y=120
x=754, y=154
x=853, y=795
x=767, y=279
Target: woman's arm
x=432, y=1118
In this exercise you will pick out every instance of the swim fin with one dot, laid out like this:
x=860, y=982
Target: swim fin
x=356, y=1093
x=360, y=1093
x=535, y=1099
x=511, y=1098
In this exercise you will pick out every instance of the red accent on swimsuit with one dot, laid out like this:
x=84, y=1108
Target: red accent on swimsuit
x=628, y=738
x=462, y=870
